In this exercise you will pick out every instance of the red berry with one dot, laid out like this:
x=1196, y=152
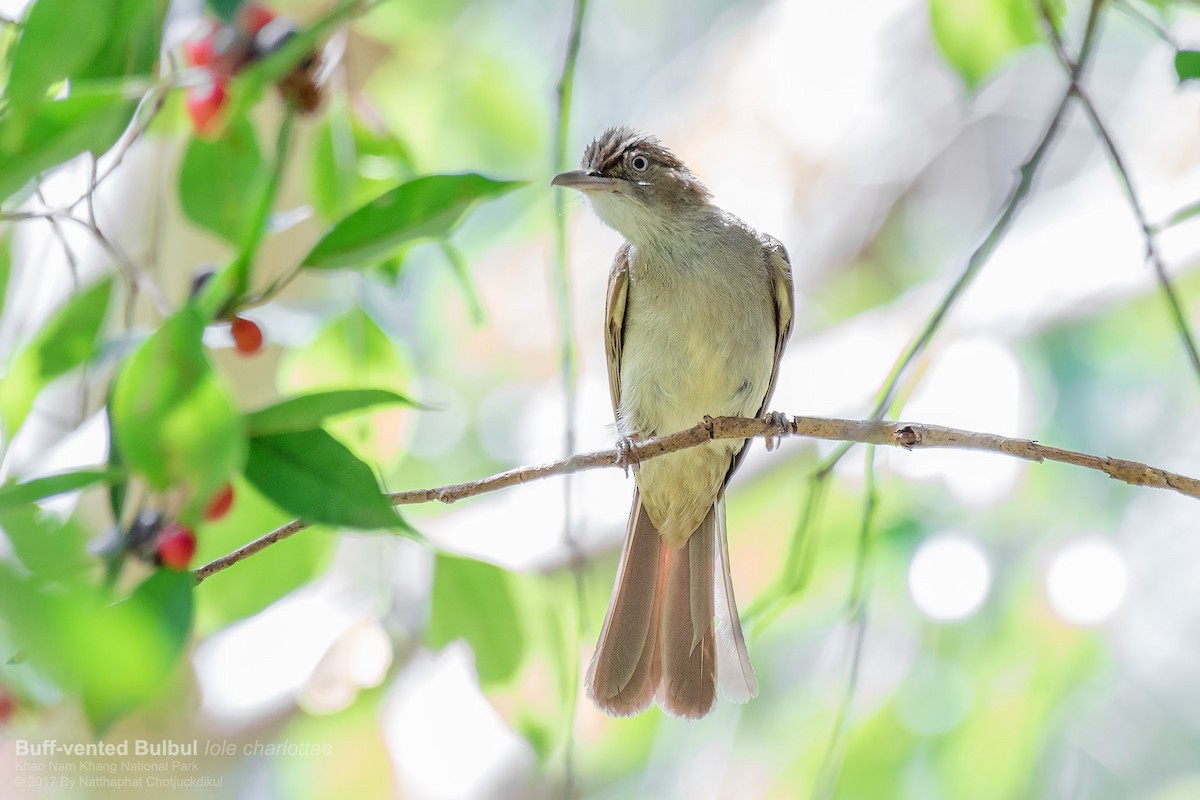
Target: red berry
x=253, y=17
x=204, y=104
x=247, y=336
x=8, y=706
x=176, y=546
x=201, y=52
x=218, y=507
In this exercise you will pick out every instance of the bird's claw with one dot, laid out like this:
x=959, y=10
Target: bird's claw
x=626, y=455
x=778, y=427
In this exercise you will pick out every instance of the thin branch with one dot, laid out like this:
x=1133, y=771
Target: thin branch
x=1153, y=255
x=559, y=274
x=1016, y=198
x=567, y=357
x=136, y=278
x=910, y=436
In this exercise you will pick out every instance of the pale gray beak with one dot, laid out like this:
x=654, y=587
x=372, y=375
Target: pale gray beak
x=584, y=182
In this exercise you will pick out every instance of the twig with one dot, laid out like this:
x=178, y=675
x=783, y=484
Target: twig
x=910, y=436
x=136, y=278
x=1016, y=198
x=1178, y=315
x=1142, y=18
x=559, y=274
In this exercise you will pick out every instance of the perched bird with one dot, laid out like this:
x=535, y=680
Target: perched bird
x=699, y=309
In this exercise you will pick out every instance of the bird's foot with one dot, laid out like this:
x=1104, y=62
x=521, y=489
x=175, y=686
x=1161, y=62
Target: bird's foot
x=626, y=455
x=779, y=428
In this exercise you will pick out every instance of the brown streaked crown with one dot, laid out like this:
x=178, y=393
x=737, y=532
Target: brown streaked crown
x=607, y=155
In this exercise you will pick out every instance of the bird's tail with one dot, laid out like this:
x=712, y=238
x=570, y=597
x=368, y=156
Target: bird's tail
x=659, y=642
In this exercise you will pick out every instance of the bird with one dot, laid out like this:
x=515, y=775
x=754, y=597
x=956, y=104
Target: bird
x=698, y=312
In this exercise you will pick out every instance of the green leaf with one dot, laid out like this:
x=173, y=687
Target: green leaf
x=430, y=207
x=157, y=618
x=173, y=422
x=310, y=411
x=115, y=657
x=90, y=120
x=976, y=36
x=67, y=340
x=57, y=37
x=225, y=9
x=133, y=41
x=219, y=180
x=46, y=546
x=312, y=475
x=1187, y=64
x=5, y=269
x=17, y=494
x=474, y=601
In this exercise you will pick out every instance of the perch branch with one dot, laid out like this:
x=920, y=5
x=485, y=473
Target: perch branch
x=910, y=436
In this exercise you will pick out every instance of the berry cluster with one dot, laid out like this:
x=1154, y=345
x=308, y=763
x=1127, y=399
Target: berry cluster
x=223, y=50
x=175, y=543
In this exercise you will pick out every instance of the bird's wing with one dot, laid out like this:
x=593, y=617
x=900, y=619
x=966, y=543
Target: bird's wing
x=780, y=269
x=614, y=325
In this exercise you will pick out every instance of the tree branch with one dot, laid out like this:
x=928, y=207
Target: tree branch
x=1178, y=315
x=910, y=436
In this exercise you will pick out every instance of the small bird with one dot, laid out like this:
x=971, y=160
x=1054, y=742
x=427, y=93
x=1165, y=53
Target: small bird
x=699, y=310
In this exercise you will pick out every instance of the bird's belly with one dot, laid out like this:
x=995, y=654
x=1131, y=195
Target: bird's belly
x=682, y=361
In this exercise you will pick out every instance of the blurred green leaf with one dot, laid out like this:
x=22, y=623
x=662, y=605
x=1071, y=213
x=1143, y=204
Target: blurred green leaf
x=1187, y=64
x=47, y=546
x=67, y=340
x=225, y=9
x=474, y=601
x=172, y=420
x=116, y=656
x=219, y=180
x=976, y=36
x=89, y=120
x=310, y=411
x=312, y=475
x=430, y=207
x=16, y=494
x=5, y=269
x=132, y=43
x=57, y=37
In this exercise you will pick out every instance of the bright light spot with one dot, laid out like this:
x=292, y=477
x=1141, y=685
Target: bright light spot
x=445, y=738
x=1086, y=582
x=949, y=577
x=977, y=384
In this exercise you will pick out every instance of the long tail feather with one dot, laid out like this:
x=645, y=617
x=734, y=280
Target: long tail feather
x=736, y=675
x=624, y=671
x=659, y=641
x=689, y=666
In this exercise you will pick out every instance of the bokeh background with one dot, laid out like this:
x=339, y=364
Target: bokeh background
x=1024, y=630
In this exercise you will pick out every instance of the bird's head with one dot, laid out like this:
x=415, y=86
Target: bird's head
x=637, y=186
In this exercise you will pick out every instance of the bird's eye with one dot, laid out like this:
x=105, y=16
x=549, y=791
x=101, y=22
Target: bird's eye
x=640, y=163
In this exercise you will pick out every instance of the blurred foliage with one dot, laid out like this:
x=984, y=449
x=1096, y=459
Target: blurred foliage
x=419, y=164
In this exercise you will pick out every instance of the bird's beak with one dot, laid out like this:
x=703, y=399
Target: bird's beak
x=584, y=182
